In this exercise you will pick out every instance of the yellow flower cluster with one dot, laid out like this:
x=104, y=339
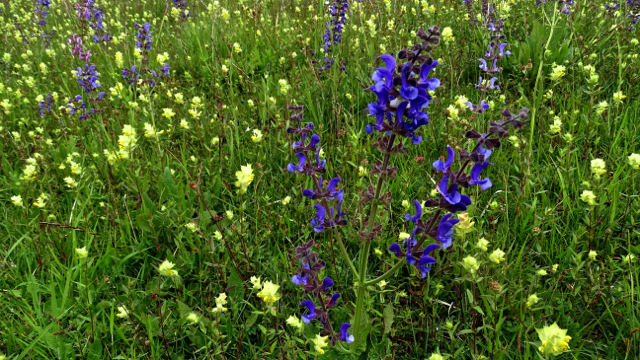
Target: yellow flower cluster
x=554, y=340
x=221, y=301
x=598, y=167
x=269, y=293
x=196, y=106
x=245, y=177
x=166, y=269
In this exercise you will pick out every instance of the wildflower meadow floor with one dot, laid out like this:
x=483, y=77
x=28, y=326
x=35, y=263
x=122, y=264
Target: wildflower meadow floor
x=396, y=179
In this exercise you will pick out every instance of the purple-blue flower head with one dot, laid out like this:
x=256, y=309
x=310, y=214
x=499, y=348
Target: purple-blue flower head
x=443, y=166
x=318, y=221
x=475, y=173
x=416, y=218
x=312, y=311
x=445, y=230
x=327, y=283
x=300, y=280
x=344, y=333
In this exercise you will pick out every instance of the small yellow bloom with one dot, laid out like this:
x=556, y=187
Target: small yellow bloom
x=16, y=200
x=554, y=340
x=168, y=113
x=532, y=300
x=257, y=136
x=82, y=253
x=269, y=293
x=471, y=264
x=482, y=244
x=245, y=177
x=634, y=161
x=286, y=200
x=123, y=313
x=320, y=342
x=193, y=318
x=294, y=322
x=618, y=97
x=589, y=197
x=166, y=269
x=256, y=282
x=592, y=255
x=497, y=256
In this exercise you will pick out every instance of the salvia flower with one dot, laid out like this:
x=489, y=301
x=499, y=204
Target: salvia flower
x=344, y=333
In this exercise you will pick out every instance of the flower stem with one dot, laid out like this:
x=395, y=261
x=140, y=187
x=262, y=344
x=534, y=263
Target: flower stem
x=366, y=247
x=535, y=97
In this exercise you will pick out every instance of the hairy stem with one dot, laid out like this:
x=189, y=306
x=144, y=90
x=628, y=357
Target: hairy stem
x=366, y=247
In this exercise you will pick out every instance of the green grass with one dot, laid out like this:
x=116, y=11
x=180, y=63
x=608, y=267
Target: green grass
x=131, y=213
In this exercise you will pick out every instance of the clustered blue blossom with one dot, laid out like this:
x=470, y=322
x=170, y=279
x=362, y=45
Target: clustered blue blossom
x=405, y=95
x=325, y=217
x=92, y=15
x=565, y=5
x=333, y=33
x=39, y=20
x=309, y=280
x=183, y=6
x=634, y=13
x=89, y=82
x=144, y=43
x=450, y=199
x=45, y=105
x=489, y=64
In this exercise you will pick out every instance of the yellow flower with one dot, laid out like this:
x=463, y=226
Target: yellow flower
x=221, y=301
x=256, y=282
x=184, y=124
x=482, y=244
x=236, y=48
x=16, y=200
x=453, y=112
x=123, y=313
x=554, y=340
x=435, y=356
x=245, y=177
x=294, y=322
x=471, y=264
x=461, y=100
x=592, y=255
x=598, y=167
x=557, y=126
x=191, y=226
x=542, y=272
x=404, y=236
x=41, y=201
x=532, y=300
x=320, y=342
x=257, y=136
x=286, y=200
x=634, y=161
x=193, y=318
x=557, y=72
x=497, y=256
x=82, y=253
x=168, y=113
x=166, y=269
x=465, y=225
x=447, y=35
x=589, y=197
x=269, y=293
x=618, y=97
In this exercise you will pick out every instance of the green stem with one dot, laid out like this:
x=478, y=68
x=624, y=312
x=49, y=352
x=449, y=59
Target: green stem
x=535, y=96
x=386, y=275
x=366, y=247
x=343, y=249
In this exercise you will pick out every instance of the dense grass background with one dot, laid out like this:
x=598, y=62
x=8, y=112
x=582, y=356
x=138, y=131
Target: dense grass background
x=131, y=214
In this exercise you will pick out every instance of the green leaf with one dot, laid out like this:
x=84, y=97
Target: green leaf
x=95, y=350
x=169, y=182
x=388, y=318
x=251, y=320
x=235, y=281
x=470, y=296
x=143, y=221
x=148, y=204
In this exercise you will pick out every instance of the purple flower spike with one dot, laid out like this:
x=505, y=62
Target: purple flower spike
x=445, y=230
x=318, y=221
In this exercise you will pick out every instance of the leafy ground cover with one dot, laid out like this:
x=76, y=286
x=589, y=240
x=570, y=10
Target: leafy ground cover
x=155, y=203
